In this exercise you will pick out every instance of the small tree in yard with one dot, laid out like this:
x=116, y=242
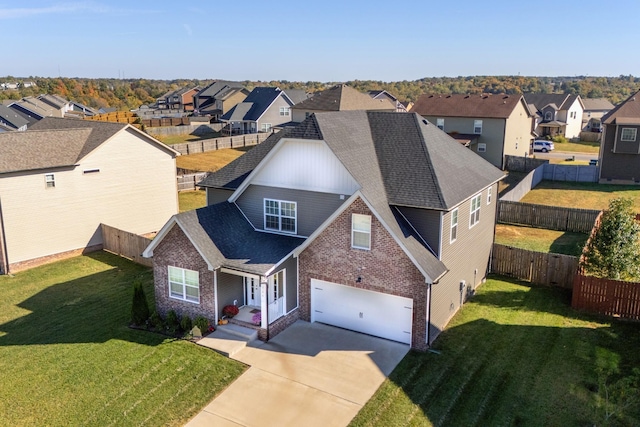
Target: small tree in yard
x=140, y=308
x=614, y=250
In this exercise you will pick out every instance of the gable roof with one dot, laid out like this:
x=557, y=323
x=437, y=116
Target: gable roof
x=627, y=112
x=499, y=106
x=343, y=98
x=215, y=87
x=255, y=104
x=11, y=117
x=562, y=101
x=54, y=101
x=297, y=95
x=597, y=104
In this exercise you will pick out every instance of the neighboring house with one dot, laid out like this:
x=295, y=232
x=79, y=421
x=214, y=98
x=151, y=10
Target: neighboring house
x=620, y=146
x=60, y=182
x=180, y=100
x=263, y=109
x=218, y=97
x=373, y=221
x=558, y=114
x=11, y=119
x=383, y=94
x=297, y=95
x=594, y=109
x=56, y=102
x=493, y=126
x=339, y=98
x=81, y=110
x=32, y=109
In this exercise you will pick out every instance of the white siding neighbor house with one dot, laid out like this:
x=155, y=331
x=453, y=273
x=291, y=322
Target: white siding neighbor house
x=60, y=182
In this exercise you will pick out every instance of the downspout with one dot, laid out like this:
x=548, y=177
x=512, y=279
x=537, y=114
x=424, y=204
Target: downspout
x=264, y=302
x=429, y=314
x=3, y=241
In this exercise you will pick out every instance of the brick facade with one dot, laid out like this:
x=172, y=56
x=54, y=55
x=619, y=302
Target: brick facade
x=176, y=250
x=385, y=268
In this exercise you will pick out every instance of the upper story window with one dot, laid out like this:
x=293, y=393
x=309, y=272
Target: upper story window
x=361, y=231
x=184, y=284
x=265, y=127
x=477, y=127
x=285, y=111
x=489, y=193
x=548, y=116
x=280, y=215
x=440, y=123
x=628, y=134
x=49, y=180
x=475, y=210
x=454, y=226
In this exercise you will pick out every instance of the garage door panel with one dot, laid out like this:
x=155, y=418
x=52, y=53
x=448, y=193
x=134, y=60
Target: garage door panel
x=373, y=313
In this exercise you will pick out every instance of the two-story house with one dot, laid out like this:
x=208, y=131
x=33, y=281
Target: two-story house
x=594, y=110
x=60, y=181
x=11, y=119
x=218, y=97
x=383, y=94
x=620, y=146
x=179, y=100
x=263, y=109
x=493, y=126
x=557, y=114
x=377, y=222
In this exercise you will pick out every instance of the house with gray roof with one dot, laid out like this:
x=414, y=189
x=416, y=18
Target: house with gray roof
x=64, y=177
x=383, y=94
x=263, y=109
x=11, y=119
x=594, y=109
x=217, y=98
x=620, y=146
x=377, y=222
x=557, y=114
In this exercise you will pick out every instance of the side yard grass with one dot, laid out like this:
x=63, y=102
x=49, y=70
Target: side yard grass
x=67, y=356
x=585, y=195
x=179, y=139
x=189, y=200
x=210, y=161
x=541, y=240
x=514, y=355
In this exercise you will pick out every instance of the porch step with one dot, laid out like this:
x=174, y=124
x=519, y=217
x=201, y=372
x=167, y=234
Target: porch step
x=239, y=331
x=223, y=342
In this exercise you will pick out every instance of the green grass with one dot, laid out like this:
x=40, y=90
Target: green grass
x=581, y=194
x=189, y=200
x=210, y=161
x=514, y=355
x=578, y=147
x=541, y=240
x=67, y=356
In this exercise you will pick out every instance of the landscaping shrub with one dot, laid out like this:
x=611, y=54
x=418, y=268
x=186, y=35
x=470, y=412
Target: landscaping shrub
x=185, y=323
x=172, y=322
x=202, y=323
x=559, y=139
x=156, y=322
x=139, y=308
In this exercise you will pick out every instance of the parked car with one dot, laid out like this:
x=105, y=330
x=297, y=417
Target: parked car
x=544, y=146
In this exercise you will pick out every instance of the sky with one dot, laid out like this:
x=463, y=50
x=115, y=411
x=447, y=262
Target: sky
x=326, y=41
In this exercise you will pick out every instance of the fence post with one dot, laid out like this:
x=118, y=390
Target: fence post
x=187, y=148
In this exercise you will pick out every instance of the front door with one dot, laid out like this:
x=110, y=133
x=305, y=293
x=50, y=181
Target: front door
x=252, y=289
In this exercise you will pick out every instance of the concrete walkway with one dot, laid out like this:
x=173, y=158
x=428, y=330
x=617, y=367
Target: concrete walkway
x=309, y=375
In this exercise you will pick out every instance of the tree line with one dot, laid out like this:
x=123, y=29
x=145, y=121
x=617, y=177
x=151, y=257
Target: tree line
x=127, y=94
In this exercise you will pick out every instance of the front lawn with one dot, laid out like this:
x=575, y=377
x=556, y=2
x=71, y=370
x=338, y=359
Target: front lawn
x=587, y=195
x=67, y=356
x=578, y=147
x=514, y=355
x=541, y=240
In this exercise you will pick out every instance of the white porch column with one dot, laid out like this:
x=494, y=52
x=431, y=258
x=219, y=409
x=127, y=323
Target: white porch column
x=264, y=302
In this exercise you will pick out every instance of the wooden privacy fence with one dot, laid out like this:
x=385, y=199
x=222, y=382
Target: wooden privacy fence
x=550, y=217
x=190, y=181
x=536, y=267
x=213, y=144
x=606, y=296
x=125, y=244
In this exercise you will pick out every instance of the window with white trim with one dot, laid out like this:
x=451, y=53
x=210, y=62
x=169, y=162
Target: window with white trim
x=628, y=134
x=489, y=191
x=280, y=215
x=50, y=180
x=482, y=147
x=285, y=111
x=454, y=226
x=361, y=231
x=475, y=210
x=265, y=127
x=440, y=123
x=184, y=284
x=477, y=127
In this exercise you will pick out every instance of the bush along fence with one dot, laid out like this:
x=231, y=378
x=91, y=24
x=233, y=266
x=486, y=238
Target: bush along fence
x=541, y=268
x=125, y=244
x=549, y=217
x=213, y=144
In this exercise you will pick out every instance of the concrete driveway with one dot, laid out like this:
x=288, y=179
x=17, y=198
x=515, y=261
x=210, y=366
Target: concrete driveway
x=309, y=375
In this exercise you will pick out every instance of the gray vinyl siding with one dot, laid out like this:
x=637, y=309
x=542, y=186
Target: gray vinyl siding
x=313, y=208
x=467, y=258
x=230, y=287
x=272, y=115
x=619, y=165
x=493, y=131
x=427, y=223
x=291, y=266
x=217, y=195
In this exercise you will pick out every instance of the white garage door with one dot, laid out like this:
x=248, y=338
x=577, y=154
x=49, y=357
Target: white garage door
x=374, y=313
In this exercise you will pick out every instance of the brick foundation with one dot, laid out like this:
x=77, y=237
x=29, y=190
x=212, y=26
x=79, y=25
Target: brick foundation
x=279, y=325
x=385, y=268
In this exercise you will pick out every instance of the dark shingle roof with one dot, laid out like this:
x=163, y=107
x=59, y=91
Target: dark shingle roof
x=226, y=239
x=626, y=112
x=297, y=95
x=459, y=105
x=343, y=98
x=562, y=100
x=255, y=104
x=213, y=88
x=11, y=117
